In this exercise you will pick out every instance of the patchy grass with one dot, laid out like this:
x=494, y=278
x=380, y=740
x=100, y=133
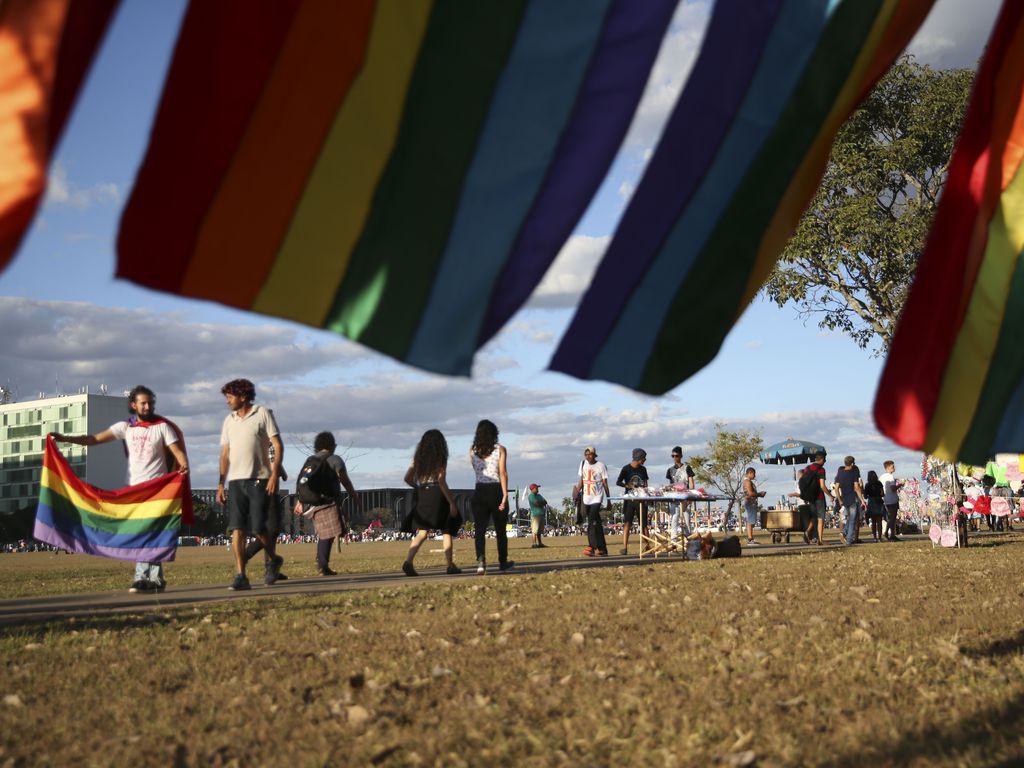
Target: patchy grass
x=45, y=573
x=884, y=655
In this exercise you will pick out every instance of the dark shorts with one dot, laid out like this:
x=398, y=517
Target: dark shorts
x=630, y=511
x=248, y=506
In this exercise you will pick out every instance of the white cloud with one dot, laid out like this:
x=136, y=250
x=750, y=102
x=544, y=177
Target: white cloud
x=570, y=273
x=60, y=190
x=955, y=33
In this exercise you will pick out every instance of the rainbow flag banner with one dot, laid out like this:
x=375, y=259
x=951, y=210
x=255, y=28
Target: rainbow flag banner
x=139, y=523
x=740, y=158
x=46, y=50
x=402, y=173
x=953, y=384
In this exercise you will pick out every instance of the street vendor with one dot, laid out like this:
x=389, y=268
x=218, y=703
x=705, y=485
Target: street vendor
x=679, y=474
x=633, y=475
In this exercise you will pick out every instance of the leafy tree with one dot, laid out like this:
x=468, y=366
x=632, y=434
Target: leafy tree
x=728, y=456
x=853, y=255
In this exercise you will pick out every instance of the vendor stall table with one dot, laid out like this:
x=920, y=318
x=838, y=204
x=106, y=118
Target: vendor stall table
x=655, y=542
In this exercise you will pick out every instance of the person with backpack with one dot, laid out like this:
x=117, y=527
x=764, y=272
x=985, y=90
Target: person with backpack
x=433, y=504
x=318, y=487
x=813, y=491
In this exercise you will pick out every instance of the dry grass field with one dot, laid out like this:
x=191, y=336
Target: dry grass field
x=883, y=655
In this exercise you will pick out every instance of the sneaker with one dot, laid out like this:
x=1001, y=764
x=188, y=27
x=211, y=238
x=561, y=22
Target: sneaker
x=753, y=543
x=272, y=569
x=408, y=570
x=139, y=586
x=506, y=565
x=481, y=567
x=601, y=553
x=325, y=571
x=542, y=545
x=453, y=569
x=623, y=551
x=588, y=551
x=240, y=583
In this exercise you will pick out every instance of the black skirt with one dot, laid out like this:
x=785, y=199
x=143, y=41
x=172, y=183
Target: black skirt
x=431, y=510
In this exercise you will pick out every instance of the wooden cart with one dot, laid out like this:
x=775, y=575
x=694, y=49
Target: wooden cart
x=782, y=522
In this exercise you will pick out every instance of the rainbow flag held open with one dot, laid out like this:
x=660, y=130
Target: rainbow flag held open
x=739, y=160
x=140, y=523
x=402, y=173
x=953, y=384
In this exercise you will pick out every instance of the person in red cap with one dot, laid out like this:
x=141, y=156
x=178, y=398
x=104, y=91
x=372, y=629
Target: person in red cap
x=538, y=505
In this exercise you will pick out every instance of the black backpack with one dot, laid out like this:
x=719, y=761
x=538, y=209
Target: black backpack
x=809, y=485
x=317, y=482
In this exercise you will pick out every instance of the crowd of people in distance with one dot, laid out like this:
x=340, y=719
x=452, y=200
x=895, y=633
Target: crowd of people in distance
x=251, y=470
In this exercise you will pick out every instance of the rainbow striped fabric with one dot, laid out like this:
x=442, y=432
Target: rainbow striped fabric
x=741, y=156
x=45, y=52
x=139, y=523
x=400, y=172
x=953, y=385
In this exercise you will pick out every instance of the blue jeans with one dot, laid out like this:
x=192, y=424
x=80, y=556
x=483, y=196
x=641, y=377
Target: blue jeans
x=153, y=572
x=852, y=515
x=676, y=511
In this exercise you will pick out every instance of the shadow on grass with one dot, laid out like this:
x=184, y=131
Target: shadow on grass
x=997, y=648
x=945, y=743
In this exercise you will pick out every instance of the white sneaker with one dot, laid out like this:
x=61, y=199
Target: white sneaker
x=755, y=542
x=481, y=568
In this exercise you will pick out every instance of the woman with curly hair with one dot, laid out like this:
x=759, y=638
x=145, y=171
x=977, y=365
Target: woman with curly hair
x=490, y=499
x=434, y=506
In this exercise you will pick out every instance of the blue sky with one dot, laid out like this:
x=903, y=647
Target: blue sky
x=70, y=324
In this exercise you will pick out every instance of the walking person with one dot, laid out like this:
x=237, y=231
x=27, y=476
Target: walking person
x=891, y=499
x=676, y=475
x=750, y=497
x=490, y=497
x=851, y=493
x=249, y=476
x=321, y=488
x=148, y=439
x=593, y=490
x=874, y=492
x=633, y=475
x=433, y=505
x=538, y=505
x=814, y=490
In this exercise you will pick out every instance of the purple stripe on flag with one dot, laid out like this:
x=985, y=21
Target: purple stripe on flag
x=50, y=535
x=614, y=83
x=735, y=39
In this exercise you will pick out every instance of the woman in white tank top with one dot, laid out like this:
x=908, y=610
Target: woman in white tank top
x=490, y=499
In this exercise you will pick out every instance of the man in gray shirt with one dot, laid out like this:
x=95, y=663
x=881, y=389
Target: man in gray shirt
x=250, y=475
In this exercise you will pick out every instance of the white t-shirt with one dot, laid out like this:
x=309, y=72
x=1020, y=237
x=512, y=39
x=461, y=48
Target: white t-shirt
x=890, y=495
x=248, y=441
x=147, y=457
x=593, y=477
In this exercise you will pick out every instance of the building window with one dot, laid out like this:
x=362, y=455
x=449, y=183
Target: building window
x=32, y=430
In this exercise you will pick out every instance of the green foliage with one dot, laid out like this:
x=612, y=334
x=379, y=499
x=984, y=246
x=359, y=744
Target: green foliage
x=728, y=456
x=853, y=255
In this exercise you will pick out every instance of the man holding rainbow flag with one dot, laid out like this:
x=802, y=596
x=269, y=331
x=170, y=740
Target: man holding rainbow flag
x=140, y=522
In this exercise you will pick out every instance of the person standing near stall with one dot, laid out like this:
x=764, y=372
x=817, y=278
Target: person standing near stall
x=750, y=498
x=891, y=499
x=633, y=475
x=593, y=490
x=678, y=474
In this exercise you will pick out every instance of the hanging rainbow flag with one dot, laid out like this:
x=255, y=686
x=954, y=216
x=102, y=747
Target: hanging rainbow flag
x=45, y=52
x=953, y=384
x=740, y=158
x=402, y=173
x=140, y=523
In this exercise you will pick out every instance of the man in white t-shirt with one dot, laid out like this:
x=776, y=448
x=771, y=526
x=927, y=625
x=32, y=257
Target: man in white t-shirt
x=148, y=438
x=593, y=484
x=249, y=476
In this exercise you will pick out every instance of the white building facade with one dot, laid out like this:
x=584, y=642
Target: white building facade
x=23, y=430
